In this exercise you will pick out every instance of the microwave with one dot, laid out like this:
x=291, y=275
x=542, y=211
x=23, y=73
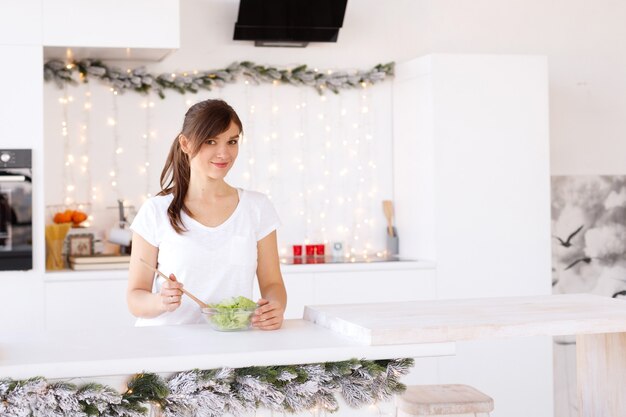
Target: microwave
x=16, y=206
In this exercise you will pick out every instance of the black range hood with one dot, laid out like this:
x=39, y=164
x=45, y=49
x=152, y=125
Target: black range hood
x=289, y=22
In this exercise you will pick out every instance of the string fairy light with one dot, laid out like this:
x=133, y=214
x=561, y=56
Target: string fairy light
x=117, y=149
x=367, y=181
x=317, y=160
x=304, y=167
x=273, y=139
x=85, y=165
x=327, y=167
x=146, y=137
x=68, y=173
x=247, y=140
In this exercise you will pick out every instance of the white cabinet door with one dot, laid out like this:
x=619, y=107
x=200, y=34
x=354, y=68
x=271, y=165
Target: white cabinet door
x=20, y=24
x=23, y=129
x=471, y=134
x=300, y=291
x=375, y=286
x=82, y=305
x=102, y=303
x=112, y=24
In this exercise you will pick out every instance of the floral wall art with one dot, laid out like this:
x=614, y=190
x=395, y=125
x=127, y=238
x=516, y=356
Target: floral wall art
x=589, y=235
x=588, y=256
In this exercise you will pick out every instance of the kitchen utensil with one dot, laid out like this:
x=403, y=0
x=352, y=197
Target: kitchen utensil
x=55, y=238
x=121, y=237
x=187, y=293
x=393, y=243
x=388, y=210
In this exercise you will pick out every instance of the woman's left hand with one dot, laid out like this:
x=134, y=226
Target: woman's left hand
x=269, y=315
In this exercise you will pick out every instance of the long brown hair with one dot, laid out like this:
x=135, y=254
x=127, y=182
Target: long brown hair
x=203, y=120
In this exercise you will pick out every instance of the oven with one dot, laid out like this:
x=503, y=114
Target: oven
x=16, y=207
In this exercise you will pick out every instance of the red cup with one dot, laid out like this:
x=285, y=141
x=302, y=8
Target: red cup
x=297, y=250
x=319, y=249
x=310, y=250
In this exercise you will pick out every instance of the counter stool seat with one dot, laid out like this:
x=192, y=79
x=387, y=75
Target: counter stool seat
x=454, y=400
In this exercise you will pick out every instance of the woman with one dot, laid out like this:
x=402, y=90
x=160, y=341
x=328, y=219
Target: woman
x=210, y=236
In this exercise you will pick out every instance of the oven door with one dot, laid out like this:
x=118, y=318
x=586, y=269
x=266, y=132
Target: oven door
x=16, y=230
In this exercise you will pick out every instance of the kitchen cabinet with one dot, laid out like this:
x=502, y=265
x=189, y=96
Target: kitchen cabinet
x=21, y=127
x=599, y=324
x=372, y=287
x=341, y=284
x=97, y=299
x=85, y=304
x=20, y=24
x=117, y=29
x=471, y=191
x=91, y=300
x=89, y=356
x=300, y=291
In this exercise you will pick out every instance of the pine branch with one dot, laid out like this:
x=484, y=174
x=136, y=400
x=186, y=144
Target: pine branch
x=140, y=81
x=212, y=393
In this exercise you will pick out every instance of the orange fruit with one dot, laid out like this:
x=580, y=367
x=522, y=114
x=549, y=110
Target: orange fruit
x=78, y=217
x=63, y=217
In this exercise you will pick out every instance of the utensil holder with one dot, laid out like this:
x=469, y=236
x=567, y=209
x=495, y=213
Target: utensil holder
x=55, y=240
x=393, y=243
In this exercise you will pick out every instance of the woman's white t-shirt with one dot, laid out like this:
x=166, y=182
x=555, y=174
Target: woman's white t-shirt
x=213, y=263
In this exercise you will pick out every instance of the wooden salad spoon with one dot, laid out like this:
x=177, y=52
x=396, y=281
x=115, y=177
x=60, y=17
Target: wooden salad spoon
x=187, y=293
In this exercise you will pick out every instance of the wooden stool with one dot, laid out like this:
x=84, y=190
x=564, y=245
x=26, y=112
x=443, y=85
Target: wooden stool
x=443, y=400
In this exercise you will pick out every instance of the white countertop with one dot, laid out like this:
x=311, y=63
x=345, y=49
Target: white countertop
x=162, y=349
x=122, y=274
x=472, y=319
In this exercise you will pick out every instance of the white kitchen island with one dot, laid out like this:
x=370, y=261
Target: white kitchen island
x=166, y=349
x=340, y=332
x=112, y=356
x=599, y=324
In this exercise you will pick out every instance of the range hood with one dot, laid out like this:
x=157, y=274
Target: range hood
x=291, y=23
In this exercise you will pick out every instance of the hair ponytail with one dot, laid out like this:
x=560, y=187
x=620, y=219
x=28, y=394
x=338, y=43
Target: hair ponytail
x=175, y=180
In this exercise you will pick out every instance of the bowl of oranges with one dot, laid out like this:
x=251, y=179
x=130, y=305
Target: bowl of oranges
x=75, y=217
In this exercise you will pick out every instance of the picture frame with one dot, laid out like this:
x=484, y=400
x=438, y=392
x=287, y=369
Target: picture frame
x=80, y=245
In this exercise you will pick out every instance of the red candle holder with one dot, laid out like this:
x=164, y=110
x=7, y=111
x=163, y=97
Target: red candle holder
x=297, y=250
x=319, y=249
x=310, y=250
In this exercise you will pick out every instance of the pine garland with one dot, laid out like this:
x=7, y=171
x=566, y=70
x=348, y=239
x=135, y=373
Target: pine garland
x=212, y=393
x=139, y=80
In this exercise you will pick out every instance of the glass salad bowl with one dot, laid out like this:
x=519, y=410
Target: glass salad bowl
x=231, y=315
x=228, y=320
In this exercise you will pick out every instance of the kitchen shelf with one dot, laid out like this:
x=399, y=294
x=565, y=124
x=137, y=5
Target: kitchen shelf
x=361, y=265
x=66, y=275
x=122, y=274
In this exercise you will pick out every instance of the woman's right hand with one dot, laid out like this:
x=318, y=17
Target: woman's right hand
x=170, y=294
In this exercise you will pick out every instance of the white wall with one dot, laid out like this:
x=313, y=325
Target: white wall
x=21, y=126
x=582, y=40
x=325, y=161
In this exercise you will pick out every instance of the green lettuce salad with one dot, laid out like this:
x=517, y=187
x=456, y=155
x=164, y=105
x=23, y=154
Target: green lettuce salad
x=232, y=313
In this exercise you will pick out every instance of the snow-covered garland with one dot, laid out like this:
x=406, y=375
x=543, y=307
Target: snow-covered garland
x=140, y=80
x=212, y=393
